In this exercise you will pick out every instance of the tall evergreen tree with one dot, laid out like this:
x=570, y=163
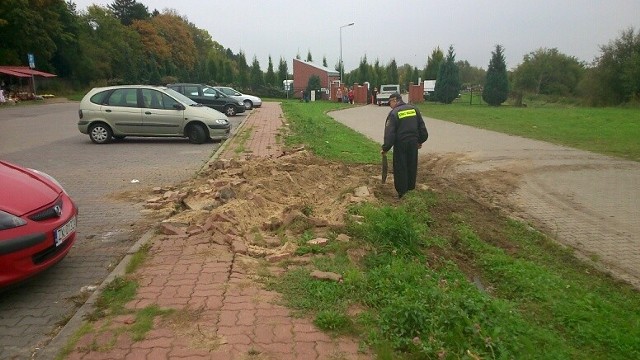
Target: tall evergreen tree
x=128, y=10
x=243, y=70
x=324, y=61
x=283, y=72
x=448, y=85
x=309, y=57
x=415, y=74
x=256, y=78
x=363, y=71
x=496, y=87
x=339, y=67
x=378, y=74
x=270, y=77
x=392, y=73
x=433, y=64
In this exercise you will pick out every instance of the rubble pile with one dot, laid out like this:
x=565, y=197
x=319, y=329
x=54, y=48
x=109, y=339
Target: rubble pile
x=258, y=207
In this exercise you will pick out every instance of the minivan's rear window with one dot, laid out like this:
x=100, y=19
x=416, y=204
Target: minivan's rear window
x=99, y=97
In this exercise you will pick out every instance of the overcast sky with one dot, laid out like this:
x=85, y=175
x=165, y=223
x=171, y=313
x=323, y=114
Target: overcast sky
x=407, y=31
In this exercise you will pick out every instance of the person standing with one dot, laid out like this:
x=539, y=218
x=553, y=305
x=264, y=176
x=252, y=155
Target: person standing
x=374, y=95
x=339, y=94
x=350, y=95
x=405, y=132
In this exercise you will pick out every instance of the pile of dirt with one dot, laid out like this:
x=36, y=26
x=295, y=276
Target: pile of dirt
x=259, y=194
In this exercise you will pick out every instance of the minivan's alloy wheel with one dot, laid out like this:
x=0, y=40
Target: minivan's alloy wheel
x=100, y=133
x=230, y=110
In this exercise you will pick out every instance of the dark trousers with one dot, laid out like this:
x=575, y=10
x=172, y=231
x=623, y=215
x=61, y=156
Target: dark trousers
x=405, y=166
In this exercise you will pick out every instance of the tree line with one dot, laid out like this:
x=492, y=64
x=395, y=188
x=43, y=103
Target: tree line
x=125, y=42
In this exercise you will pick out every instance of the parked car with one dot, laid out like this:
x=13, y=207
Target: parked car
x=142, y=110
x=37, y=223
x=209, y=96
x=249, y=101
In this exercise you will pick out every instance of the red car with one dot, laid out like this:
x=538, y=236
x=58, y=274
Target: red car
x=37, y=223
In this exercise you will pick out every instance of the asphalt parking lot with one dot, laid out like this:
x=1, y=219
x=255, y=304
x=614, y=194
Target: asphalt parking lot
x=45, y=137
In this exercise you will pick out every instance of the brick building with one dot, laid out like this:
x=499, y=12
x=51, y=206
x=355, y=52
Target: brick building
x=303, y=70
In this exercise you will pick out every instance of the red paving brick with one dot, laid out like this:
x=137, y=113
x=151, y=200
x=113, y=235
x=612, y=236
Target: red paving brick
x=235, y=317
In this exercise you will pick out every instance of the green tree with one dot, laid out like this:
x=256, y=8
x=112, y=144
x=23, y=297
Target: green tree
x=496, y=87
x=256, y=79
x=270, y=77
x=415, y=74
x=213, y=70
x=430, y=71
x=615, y=78
x=448, y=85
x=177, y=34
x=228, y=71
x=339, y=68
x=31, y=26
x=404, y=76
x=128, y=10
x=547, y=71
x=363, y=71
x=283, y=72
x=67, y=55
x=324, y=61
x=204, y=45
x=309, y=57
x=243, y=70
x=392, y=73
x=112, y=52
x=314, y=84
x=470, y=75
x=379, y=76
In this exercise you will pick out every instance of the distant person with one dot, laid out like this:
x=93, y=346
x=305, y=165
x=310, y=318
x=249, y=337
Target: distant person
x=2, y=99
x=404, y=131
x=374, y=95
x=350, y=95
x=339, y=94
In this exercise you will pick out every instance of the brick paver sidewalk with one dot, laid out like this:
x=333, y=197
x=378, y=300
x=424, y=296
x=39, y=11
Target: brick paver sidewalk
x=263, y=126
x=219, y=312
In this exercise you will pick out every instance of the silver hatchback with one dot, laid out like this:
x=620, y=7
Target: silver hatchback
x=145, y=110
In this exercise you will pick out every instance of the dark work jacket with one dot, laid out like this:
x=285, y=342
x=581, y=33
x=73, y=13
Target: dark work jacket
x=404, y=124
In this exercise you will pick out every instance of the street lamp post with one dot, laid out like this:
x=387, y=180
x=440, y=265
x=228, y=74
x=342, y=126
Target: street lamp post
x=341, y=65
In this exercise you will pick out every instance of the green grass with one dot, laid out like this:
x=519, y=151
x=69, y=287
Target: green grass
x=610, y=131
x=327, y=138
x=241, y=140
x=442, y=277
x=137, y=259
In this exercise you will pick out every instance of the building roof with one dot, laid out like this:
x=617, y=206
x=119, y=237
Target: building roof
x=329, y=71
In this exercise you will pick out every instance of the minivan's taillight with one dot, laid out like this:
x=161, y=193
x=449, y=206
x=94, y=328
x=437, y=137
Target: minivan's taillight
x=80, y=114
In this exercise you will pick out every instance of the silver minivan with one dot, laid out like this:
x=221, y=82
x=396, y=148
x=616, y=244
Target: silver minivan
x=144, y=110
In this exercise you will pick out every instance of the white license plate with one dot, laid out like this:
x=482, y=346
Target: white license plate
x=62, y=233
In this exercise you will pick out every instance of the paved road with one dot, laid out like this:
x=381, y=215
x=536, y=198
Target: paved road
x=585, y=200
x=45, y=137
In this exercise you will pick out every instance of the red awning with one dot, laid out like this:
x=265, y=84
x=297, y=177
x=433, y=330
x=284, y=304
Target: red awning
x=23, y=71
x=13, y=73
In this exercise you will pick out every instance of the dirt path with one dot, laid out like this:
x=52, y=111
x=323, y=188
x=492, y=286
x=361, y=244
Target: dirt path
x=584, y=200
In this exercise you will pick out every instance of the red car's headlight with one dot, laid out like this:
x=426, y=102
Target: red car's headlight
x=8, y=221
